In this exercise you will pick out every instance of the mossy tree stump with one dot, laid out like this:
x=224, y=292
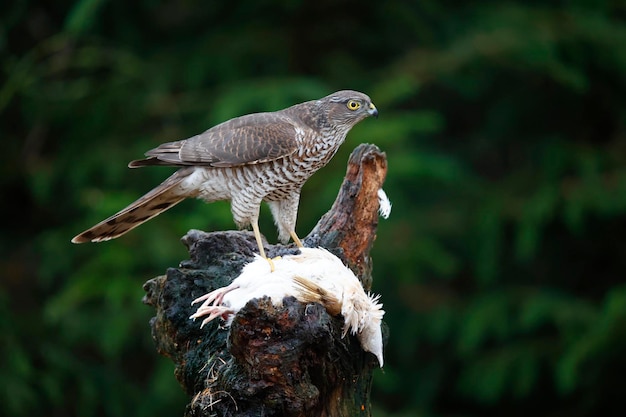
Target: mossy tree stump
x=287, y=361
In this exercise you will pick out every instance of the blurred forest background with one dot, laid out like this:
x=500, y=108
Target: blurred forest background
x=502, y=267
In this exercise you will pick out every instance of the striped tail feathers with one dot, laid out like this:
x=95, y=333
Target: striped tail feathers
x=155, y=202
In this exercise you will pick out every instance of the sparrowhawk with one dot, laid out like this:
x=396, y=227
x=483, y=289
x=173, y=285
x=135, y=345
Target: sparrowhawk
x=249, y=159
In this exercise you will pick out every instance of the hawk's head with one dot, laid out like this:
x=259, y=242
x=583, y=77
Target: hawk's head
x=348, y=107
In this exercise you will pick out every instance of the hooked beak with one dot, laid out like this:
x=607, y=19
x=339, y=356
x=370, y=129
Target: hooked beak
x=373, y=111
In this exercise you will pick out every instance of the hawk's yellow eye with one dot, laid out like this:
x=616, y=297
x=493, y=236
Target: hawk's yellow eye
x=353, y=104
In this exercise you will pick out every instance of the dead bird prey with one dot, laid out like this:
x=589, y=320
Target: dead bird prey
x=314, y=275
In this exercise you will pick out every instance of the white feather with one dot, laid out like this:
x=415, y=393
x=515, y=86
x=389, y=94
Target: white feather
x=304, y=276
x=384, y=205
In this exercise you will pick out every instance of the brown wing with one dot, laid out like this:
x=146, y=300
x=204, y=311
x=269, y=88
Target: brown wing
x=250, y=139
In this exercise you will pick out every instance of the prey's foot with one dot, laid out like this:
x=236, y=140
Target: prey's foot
x=212, y=311
x=214, y=297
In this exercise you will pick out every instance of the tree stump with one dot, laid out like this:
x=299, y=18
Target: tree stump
x=271, y=361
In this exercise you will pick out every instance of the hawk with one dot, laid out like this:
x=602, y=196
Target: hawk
x=249, y=159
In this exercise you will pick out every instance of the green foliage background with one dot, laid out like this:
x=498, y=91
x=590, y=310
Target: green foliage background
x=501, y=268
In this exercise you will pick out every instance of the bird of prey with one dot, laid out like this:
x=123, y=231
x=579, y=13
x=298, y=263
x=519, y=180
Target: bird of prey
x=313, y=275
x=249, y=159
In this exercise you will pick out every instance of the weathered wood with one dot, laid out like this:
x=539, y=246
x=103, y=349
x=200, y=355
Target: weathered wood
x=272, y=361
x=352, y=221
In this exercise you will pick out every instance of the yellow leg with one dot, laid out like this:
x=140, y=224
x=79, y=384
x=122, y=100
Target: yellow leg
x=257, y=236
x=259, y=242
x=296, y=239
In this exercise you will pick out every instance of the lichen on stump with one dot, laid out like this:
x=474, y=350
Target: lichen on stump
x=272, y=361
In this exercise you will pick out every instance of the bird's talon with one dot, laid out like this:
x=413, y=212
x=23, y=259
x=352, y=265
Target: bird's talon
x=296, y=239
x=271, y=262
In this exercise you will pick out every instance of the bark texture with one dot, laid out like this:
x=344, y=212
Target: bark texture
x=287, y=361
